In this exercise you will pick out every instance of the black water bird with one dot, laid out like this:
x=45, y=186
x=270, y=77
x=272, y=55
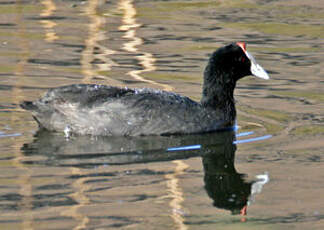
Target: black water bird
x=112, y=111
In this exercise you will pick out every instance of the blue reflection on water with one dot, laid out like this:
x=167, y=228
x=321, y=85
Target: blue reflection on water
x=252, y=139
x=3, y=134
x=243, y=134
x=188, y=147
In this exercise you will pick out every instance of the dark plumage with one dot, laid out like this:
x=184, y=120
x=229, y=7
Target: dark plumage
x=107, y=110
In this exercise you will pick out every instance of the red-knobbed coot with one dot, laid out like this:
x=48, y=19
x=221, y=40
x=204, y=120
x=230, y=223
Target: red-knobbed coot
x=107, y=110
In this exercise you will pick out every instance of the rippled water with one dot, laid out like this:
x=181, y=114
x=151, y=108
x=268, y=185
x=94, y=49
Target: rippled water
x=266, y=175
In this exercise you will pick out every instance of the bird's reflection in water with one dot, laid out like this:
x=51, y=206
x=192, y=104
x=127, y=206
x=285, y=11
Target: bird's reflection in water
x=228, y=188
x=224, y=185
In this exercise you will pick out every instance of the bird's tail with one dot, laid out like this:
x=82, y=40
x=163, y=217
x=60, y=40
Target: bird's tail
x=28, y=105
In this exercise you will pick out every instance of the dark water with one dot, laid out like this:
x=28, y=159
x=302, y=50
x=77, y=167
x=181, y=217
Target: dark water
x=266, y=175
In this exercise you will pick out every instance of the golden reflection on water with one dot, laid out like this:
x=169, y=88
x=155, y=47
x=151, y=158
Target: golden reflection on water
x=176, y=194
x=50, y=35
x=23, y=178
x=79, y=196
x=89, y=54
x=146, y=60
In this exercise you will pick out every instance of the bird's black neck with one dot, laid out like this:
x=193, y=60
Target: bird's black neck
x=218, y=90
